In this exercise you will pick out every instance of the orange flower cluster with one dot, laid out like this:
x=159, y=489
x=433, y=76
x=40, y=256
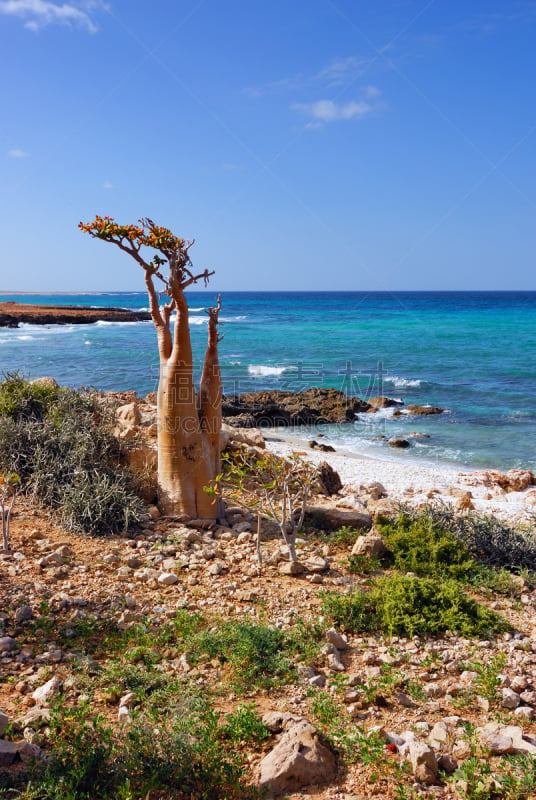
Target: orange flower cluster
x=146, y=233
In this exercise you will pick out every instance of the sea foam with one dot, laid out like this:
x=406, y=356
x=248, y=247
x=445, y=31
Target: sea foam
x=260, y=371
x=402, y=383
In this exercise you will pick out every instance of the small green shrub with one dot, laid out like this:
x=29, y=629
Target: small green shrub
x=364, y=565
x=490, y=540
x=244, y=726
x=181, y=755
x=419, y=545
x=20, y=399
x=353, y=611
x=253, y=654
x=405, y=606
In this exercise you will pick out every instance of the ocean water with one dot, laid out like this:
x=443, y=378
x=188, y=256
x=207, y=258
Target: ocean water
x=472, y=353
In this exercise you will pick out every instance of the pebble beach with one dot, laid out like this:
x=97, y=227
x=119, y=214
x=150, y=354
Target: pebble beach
x=414, y=483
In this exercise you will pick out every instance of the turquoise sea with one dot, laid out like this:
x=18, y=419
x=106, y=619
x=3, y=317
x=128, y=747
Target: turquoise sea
x=473, y=353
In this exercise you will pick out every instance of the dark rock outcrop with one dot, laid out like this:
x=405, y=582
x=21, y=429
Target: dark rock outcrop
x=328, y=479
x=12, y=314
x=401, y=444
x=424, y=411
x=282, y=409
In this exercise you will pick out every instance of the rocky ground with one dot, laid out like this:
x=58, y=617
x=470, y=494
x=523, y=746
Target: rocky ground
x=363, y=716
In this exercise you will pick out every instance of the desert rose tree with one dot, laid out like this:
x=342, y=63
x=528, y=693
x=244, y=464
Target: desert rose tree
x=188, y=425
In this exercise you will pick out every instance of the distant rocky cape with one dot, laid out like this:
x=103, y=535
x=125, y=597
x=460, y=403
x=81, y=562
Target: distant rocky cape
x=12, y=314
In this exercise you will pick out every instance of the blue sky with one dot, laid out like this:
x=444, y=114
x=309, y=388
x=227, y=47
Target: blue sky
x=304, y=144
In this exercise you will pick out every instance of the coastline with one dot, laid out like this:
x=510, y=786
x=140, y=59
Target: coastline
x=407, y=482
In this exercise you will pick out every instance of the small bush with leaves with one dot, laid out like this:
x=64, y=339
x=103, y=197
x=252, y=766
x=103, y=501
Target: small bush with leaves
x=253, y=654
x=61, y=444
x=404, y=606
x=420, y=545
x=488, y=539
x=180, y=756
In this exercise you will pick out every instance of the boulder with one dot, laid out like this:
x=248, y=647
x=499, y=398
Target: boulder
x=324, y=448
x=328, y=479
x=332, y=518
x=336, y=639
x=423, y=762
x=371, y=544
x=399, y=443
x=233, y=435
x=7, y=644
x=276, y=721
x=293, y=568
x=23, y=614
x=519, y=479
x=24, y=751
x=424, y=411
x=44, y=694
x=128, y=420
x=287, y=409
x=375, y=490
x=299, y=759
x=384, y=402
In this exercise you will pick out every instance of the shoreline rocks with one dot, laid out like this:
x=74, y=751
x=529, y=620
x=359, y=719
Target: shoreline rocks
x=12, y=314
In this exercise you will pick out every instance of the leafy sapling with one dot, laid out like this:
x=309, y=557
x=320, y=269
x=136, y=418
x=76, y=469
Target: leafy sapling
x=10, y=487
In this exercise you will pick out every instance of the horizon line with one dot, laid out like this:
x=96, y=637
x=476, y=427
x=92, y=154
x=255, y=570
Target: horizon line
x=266, y=291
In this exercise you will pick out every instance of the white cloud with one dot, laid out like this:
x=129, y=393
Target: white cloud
x=16, y=153
x=339, y=72
x=40, y=13
x=107, y=185
x=344, y=70
x=329, y=111
x=372, y=91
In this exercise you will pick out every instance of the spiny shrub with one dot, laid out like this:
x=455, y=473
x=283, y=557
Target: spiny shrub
x=420, y=545
x=61, y=444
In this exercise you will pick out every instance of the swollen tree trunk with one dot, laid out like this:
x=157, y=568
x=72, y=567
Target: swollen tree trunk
x=188, y=441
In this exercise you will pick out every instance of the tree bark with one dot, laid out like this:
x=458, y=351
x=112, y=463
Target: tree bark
x=186, y=453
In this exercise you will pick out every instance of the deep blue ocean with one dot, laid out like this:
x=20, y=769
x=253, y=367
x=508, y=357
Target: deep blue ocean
x=473, y=353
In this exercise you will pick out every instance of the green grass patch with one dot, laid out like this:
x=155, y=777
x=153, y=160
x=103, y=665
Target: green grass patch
x=252, y=654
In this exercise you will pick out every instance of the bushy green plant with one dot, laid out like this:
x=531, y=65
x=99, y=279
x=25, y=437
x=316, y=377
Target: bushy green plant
x=181, y=755
x=21, y=399
x=244, y=726
x=420, y=545
x=61, y=444
x=253, y=654
x=351, y=611
x=489, y=540
x=405, y=606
